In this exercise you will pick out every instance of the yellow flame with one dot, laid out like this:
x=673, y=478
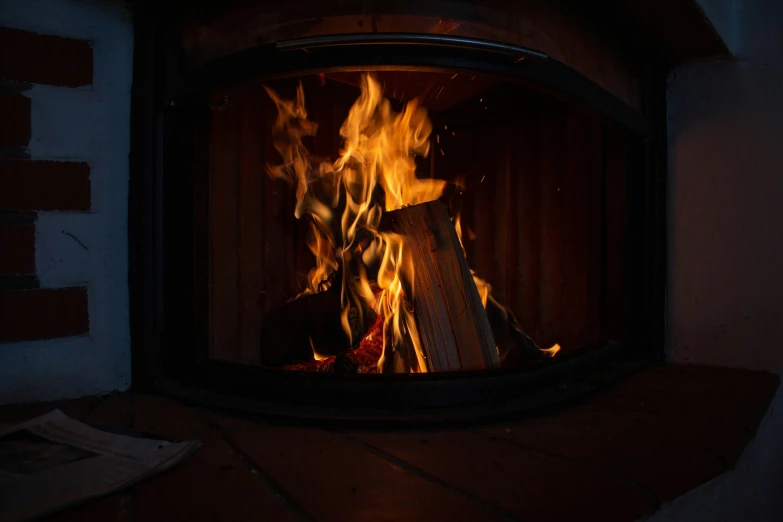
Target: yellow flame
x=485, y=289
x=321, y=244
x=289, y=129
x=378, y=151
x=316, y=355
x=375, y=172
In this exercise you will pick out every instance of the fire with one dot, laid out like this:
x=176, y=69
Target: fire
x=317, y=356
x=379, y=147
x=289, y=129
x=485, y=289
x=374, y=173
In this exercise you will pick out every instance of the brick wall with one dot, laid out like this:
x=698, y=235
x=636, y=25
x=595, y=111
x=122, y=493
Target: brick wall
x=65, y=74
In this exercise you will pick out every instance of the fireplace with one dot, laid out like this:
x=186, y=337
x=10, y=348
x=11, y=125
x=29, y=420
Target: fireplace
x=301, y=171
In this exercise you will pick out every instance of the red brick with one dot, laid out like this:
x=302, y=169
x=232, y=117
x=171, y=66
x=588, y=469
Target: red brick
x=728, y=396
x=110, y=508
x=18, y=245
x=15, y=130
x=115, y=411
x=51, y=60
x=44, y=185
x=43, y=313
x=705, y=381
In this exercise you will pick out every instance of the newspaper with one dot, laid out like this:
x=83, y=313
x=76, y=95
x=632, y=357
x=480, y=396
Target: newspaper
x=53, y=461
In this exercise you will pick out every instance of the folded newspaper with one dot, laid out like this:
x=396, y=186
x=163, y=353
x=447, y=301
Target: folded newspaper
x=54, y=461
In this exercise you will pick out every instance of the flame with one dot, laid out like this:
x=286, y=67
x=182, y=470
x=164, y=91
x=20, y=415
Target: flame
x=289, y=129
x=485, y=289
x=550, y=352
x=375, y=172
x=379, y=147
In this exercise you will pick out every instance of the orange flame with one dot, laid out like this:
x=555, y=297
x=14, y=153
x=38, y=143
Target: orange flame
x=485, y=289
x=289, y=129
x=379, y=147
x=376, y=173
x=317, y=356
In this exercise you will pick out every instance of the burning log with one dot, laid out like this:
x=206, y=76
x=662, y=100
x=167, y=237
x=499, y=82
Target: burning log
x=288, y=330
x=452, y=324
x=310, y=326
x=453, y=329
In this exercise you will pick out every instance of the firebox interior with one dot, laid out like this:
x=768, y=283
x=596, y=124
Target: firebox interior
x=540, y=186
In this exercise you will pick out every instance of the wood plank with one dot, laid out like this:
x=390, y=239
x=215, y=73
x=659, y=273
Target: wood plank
x=287, y=259
x=580, y=162
x=250, y=221
x=224, y=240
x=451, y=320
x=279, y=262
x=275, y=214
x=613, y=322
x=500, y=275
x=336, y=480
x=202, y=230
x=526, y=232
x=551, y=170
x=114, y=412
x=458, y=164
x=664, y=467
x=212, y=484
x=491, y=205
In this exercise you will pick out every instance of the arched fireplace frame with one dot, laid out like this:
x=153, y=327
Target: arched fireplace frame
x=168, y=313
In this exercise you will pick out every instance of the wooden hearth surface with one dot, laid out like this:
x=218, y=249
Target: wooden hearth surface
x=614, y=456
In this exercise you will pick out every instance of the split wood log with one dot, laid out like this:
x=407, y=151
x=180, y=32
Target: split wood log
x=452, y=324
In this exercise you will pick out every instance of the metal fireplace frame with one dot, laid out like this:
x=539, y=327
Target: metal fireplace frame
x=168, y=338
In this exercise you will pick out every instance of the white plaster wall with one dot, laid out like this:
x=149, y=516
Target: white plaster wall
x=93, y=125
x=725, y=284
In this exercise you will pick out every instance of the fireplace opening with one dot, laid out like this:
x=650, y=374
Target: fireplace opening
x=385, y=224
x=306, y=176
